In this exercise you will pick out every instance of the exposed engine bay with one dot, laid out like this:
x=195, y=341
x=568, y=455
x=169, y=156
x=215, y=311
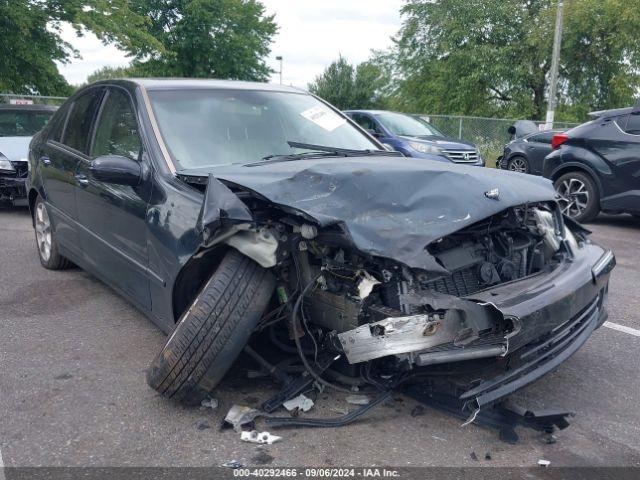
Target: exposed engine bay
x=332, y=297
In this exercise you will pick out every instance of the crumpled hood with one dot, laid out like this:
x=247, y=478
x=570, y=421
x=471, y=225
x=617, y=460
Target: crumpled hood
x=391, y=207
x=15, y=149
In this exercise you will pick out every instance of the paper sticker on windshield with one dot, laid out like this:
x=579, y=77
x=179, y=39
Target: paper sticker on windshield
x=323, y=117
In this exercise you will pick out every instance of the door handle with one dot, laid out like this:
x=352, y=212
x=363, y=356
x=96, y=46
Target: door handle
x=82, y=179
x=45, y=159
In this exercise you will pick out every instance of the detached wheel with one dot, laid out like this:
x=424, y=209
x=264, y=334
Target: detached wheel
x=579, y=196
x=213, y=331
x=519, y=164
x=46, y=242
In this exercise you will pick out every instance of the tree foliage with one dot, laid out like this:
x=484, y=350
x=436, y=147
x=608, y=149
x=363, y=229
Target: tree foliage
x=492, y=57
x=30, y=41
x=206, y=38
x=346, y=86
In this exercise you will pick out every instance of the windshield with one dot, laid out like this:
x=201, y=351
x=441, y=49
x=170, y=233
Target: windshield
x=218, y=127
x=406, y=125
x=22, y=123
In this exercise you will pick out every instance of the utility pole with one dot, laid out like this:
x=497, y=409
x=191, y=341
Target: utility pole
x=279, y=57
x=555, y=61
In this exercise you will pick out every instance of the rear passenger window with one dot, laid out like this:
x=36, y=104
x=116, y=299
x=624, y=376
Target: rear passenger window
x=117, y=130
x=633, y=124
x=76, y=135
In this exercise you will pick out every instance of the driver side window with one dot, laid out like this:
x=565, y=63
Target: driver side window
x=366, y=123
x=117, y=130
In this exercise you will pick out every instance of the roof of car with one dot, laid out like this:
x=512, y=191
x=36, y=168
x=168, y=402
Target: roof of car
x=195, y=83
x=34, y=108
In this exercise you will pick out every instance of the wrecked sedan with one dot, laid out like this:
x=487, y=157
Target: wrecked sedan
x=224, y=210
x=18, y=123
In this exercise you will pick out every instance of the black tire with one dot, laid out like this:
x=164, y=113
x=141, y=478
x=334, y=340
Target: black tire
x=592, y=203
x=50, y=257
x=518, y=163
x=213, y=331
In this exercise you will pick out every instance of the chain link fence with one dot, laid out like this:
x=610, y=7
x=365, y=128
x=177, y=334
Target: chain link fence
x=15, y=99
x=489, y=134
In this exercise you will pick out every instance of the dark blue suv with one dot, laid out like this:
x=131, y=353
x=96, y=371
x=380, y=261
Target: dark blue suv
x=415, y=137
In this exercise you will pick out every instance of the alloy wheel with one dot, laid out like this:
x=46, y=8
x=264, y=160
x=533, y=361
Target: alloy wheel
x=43, y=232
x=518, y=164
x=574, y=197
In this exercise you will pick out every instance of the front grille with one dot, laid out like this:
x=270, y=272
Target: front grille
x=462, y=156
x=20, y=168
x=460, y=283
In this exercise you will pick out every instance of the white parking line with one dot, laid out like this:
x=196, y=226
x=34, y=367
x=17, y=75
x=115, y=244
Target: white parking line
x=622, y=328
x=2, y=477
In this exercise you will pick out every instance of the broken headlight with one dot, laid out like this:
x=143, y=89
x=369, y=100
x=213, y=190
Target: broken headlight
x=5, y=165
x=425, y=148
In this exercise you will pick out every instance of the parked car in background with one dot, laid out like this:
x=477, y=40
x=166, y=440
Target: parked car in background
x=18, y=123
x=596, y=166
x=415, y=137
x=526, y=154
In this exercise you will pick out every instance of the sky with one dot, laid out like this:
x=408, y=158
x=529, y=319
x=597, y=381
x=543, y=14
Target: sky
x=312, y=34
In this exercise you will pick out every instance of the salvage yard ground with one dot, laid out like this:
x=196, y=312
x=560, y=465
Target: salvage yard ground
x=73, y=356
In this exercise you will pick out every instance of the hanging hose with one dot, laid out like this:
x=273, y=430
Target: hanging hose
x=296, y=339
x=327, y=422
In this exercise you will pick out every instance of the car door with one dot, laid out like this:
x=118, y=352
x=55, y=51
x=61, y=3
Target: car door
x=113, y=217
x=618, y=141
x=58, y=158
x=537, y=147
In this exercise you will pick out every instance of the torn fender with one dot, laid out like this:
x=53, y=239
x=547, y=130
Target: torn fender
x=219, y=203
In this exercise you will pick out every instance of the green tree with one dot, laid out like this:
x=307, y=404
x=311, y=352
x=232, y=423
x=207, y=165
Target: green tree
x=207, y=38
x=346, y=86
x=492, y=57
x=106, y=73
x=30, y=41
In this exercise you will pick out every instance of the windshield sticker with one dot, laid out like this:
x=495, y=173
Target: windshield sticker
x=323, y=117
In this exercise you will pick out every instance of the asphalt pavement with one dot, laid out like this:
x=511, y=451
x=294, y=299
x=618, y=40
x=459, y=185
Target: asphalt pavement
x=73, y=356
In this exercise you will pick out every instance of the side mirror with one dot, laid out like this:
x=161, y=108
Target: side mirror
x=116, y=169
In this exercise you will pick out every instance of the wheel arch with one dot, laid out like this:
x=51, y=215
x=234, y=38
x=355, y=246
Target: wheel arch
x=568, y=168
x=192, y=276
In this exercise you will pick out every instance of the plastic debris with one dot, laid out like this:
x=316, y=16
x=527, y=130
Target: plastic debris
x=232, y=464
x=544, y=463
x=259, y=437
x=474, y=456
x=358, y=400
x=487, y=456
x=300, y=402
x=417, y=411
x=211, y=403
x=239, y=415
x=202, y=425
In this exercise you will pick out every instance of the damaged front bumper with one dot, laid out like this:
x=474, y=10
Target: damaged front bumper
x=522, y=329
x=13, y=190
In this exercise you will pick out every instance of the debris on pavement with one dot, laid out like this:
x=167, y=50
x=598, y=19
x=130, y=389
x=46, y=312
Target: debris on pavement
x=474, y=456
x=358, y=399
x=239, y=415
x=300, y=402
x=232, y=464
x=209, y=402
x=202, y=425
x=259, y=437
x=417, y=411
x=544, y=463
x=487, y=456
